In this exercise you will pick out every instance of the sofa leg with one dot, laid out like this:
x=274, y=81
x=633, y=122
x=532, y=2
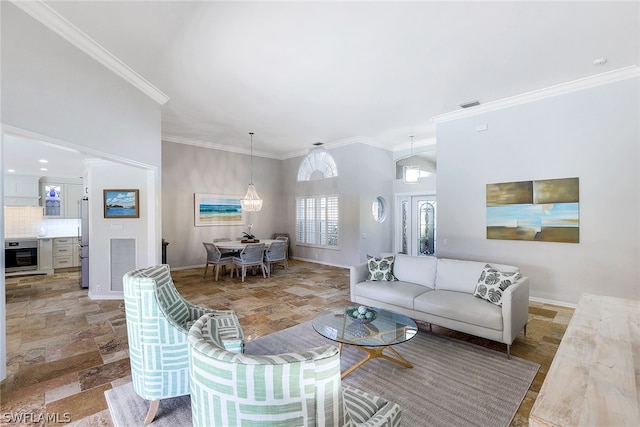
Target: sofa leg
x=508, y=351
x=525, y=329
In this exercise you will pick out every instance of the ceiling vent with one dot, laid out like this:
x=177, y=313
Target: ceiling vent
x=470, y=104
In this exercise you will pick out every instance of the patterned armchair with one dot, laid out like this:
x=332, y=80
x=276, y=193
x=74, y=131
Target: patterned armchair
x=158, y=321
x=291, y=389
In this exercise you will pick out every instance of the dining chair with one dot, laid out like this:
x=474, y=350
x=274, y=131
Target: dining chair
x=226, y=252
x=286, y=239
x=276, y=253
x=215, y=258
x=251, y=255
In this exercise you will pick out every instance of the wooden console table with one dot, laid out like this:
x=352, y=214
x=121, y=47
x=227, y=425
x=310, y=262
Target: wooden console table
x=594, y=379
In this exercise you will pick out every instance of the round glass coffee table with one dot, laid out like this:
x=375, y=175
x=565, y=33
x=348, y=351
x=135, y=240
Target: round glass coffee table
x=387, y=329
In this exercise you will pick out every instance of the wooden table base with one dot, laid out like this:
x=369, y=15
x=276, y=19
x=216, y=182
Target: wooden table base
x=376, y=352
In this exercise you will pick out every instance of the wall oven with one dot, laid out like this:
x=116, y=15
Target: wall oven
x=20, y=255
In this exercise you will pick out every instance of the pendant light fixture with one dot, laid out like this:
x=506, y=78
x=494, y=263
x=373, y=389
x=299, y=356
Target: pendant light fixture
x=411, y=174
x=251, y=202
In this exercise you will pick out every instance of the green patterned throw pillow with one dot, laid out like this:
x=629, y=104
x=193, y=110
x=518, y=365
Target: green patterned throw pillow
x=380, y=269
x=493, y=282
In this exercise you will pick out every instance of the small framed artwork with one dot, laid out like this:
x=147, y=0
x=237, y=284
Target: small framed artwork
x=121, y=204
x=211, y=209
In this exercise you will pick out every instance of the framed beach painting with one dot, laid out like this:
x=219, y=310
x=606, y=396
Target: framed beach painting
x=121, y=203
x=211, y=209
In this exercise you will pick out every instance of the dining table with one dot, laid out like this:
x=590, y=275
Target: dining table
x=238, y=245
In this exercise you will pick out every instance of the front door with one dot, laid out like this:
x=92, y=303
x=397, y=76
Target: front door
x=416, y=225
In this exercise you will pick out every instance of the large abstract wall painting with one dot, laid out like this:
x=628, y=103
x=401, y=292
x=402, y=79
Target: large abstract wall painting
x=544, y=210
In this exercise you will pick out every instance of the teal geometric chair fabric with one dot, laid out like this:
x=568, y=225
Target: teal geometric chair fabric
x=158, y=321
x=285, y=390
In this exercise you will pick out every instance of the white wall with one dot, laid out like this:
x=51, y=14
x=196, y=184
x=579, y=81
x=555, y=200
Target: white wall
x=108, y=175
x=591, y=134
x=187, y=170
x=375, y=176
x=364, y=172
x=50, y=88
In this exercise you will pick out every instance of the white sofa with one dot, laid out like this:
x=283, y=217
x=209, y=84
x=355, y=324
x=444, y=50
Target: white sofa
x=440, y=291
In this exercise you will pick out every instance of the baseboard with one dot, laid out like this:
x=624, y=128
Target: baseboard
x=186, y=267
x=553, y=302
x=315, y=261
x=114, y=295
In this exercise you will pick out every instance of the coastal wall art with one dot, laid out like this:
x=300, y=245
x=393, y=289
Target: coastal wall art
x=121, y=203
x=544, y=210
x=211, y=209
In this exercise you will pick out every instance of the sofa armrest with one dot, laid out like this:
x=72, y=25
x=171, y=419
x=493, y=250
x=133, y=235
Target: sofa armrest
x=515, y=309
x=357, y=274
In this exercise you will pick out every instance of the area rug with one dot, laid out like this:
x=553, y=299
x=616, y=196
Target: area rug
x=452, y=383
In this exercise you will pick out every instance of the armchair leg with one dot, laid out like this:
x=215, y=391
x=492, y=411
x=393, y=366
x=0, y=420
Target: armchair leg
x=508, y=351
x=153, y=409
x=525, y=329
x=205, y=270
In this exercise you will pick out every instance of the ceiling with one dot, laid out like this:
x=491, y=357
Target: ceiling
x=296, y=73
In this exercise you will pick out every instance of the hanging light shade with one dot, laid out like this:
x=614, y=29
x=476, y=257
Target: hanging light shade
x=411, y=174
x=251, y=202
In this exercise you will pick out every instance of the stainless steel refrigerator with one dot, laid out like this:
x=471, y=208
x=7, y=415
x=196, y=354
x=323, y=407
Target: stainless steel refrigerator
x=83, y=242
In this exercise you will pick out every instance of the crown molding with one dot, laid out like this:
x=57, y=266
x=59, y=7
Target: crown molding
x=67, y=146
x=335, y=144
x=420, y=143
x=536, y=95
x=233, y=149
x=215, y=146
x=61, y=26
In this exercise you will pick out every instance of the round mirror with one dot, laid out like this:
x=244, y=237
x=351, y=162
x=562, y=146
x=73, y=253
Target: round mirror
x=379, y=209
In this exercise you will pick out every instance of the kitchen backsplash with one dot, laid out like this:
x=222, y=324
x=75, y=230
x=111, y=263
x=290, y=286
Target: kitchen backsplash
x=27, y=221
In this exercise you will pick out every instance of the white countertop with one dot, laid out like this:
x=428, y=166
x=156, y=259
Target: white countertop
x=51, y=236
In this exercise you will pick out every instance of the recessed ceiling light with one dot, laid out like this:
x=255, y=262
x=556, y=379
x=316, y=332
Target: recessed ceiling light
x=317, y=144
x=600, y=61
x=44, y=161
x=11, y=170
x=43, y=169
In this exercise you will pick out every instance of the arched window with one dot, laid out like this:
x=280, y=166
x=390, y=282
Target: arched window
x=317, y=165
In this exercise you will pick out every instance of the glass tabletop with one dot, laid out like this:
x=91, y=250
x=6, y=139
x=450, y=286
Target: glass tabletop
x=388, y=328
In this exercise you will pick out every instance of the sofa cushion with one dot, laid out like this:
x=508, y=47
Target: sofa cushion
x=380, y=268
x=397, y=293
x=460, y=306
x=462, y=276
x=493, y=282
x=416, y=269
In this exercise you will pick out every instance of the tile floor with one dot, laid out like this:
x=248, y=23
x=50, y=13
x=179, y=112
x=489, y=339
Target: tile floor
x=64, y=350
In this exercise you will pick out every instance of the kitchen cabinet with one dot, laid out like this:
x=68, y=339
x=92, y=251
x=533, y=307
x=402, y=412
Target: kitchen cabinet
x=21, y=190
x=45, y=255
x=74, y=195
x=65, y=253
x=59, y=198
